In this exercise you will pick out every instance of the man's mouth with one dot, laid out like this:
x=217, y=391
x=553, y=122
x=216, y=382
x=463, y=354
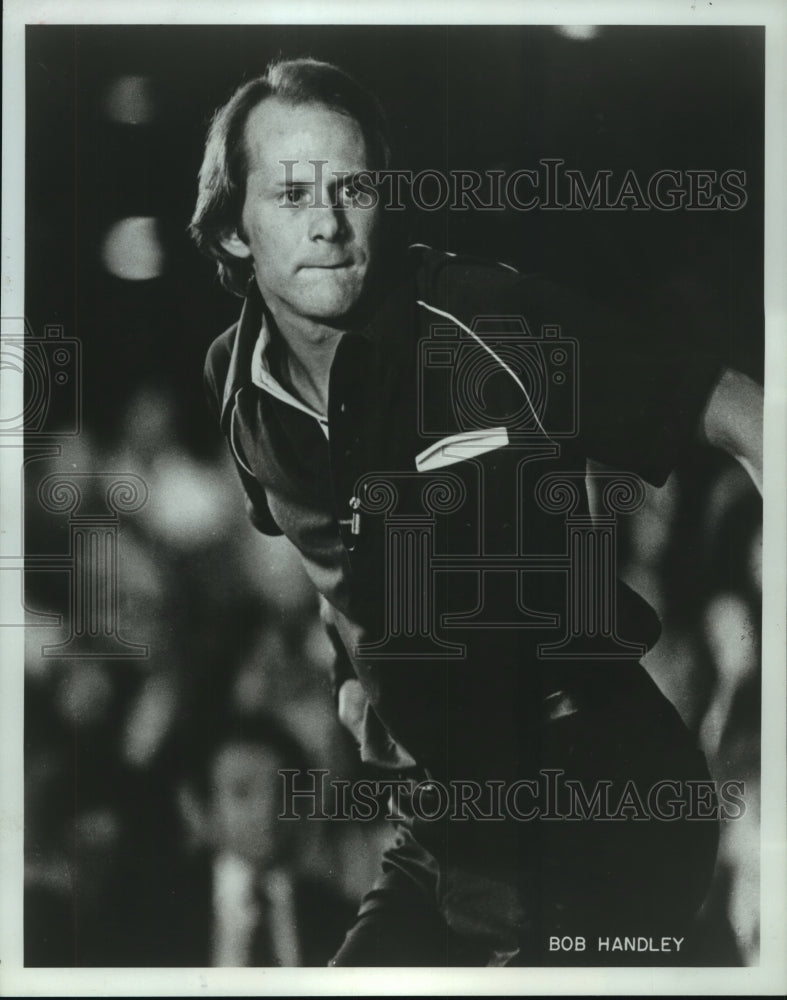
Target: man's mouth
x=336, y=265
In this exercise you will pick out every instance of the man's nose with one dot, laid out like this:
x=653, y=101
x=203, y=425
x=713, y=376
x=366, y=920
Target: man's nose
x=326, y=221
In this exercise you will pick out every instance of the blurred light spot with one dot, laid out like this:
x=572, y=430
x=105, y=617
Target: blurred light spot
x=130, y=100
x=190, y=501
x=284, y=581
x=149, y=720
x=739, y=851
x=132, y=249
x=578, y=32
x=85, y=694
x=99, y=828
x=732, y=634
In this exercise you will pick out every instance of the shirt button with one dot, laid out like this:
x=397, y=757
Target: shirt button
x=343, y=408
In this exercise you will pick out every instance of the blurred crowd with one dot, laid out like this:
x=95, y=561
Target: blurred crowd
x=150, y=780
x=123, y=797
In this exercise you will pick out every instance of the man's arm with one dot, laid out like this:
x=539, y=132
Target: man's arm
x=732, y=421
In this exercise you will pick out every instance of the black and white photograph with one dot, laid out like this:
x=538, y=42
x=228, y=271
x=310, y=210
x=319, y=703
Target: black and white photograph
x=392, y=575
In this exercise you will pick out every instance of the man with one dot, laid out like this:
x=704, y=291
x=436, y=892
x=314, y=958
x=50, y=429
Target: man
x=381, y=417
x=241, y=900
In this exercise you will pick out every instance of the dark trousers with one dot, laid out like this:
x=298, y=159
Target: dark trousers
x=615, y=855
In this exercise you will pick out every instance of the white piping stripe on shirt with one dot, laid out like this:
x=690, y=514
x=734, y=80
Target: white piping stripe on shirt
x=447, y=253
x=486, y=347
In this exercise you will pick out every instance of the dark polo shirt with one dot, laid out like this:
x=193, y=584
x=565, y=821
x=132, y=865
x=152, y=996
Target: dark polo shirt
x=450, y=346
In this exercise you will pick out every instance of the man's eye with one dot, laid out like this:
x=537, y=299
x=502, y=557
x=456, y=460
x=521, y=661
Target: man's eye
x=349, y=191
x=295, y=196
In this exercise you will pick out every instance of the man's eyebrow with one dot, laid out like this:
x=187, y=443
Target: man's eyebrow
x=333, y=177
x=291, y=183
x=350, y=175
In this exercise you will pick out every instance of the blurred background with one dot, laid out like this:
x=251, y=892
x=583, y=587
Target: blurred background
x=120, y=801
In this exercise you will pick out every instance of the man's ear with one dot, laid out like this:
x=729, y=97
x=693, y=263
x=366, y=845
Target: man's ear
x=234, y=245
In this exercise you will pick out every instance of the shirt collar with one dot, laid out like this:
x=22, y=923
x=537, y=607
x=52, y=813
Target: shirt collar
x=388, y=304
x=263, y=377
x=248, y=328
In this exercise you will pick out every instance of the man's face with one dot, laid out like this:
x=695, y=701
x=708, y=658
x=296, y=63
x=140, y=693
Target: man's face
x=310, y=242
x=247, y=800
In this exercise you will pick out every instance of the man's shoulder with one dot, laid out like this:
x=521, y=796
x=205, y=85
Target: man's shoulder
x=217, y=364
x=434, y=265
x=468, y=286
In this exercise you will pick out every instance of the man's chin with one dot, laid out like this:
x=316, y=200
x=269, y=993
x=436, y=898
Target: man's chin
x=331, y=308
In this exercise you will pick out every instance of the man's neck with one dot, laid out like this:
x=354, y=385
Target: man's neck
x=305, y=352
